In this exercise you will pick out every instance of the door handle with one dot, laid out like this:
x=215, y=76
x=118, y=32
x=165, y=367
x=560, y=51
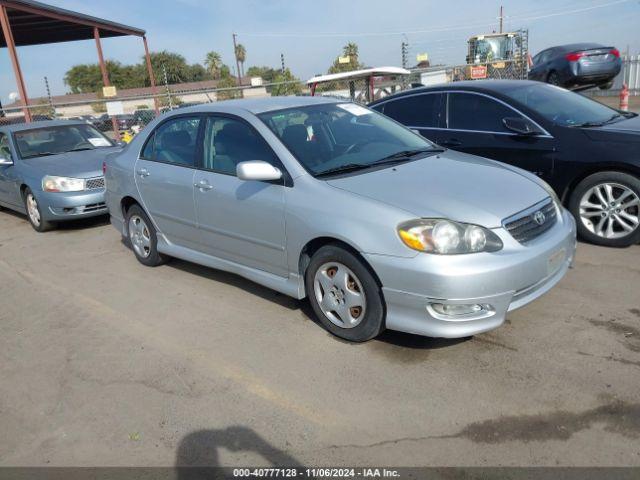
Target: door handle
x=143, y=172
x=452, y=142
x=203, y=185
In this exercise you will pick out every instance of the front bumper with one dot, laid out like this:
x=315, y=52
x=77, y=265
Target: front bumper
x=60, y=206
x=505, y=280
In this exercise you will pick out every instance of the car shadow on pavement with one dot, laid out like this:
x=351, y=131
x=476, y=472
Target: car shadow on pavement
x=198, y=454
x=84, y=223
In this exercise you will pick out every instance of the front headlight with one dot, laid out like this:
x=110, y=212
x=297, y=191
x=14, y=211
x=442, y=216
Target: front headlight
x=552, y=194
x=447, y=238
x=62, y=184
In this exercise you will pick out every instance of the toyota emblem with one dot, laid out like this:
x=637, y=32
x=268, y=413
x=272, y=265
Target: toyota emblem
x=539, y=217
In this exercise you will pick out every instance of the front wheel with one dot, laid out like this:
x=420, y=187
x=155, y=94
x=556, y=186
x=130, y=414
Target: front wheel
x=142, y=237
x=554, y=79
x=606, y=206
x=344, y=294
x=34, y=213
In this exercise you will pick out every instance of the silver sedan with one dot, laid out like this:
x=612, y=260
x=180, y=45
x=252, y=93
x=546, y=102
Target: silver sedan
x=325, y=199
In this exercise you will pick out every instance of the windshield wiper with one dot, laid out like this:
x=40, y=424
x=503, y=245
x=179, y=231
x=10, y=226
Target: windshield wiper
x=80, y=149
x=404, y=155
x=613, y=117
x=349, y=167
x=41, y=154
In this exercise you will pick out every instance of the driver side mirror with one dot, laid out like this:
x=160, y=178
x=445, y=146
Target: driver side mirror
x=5, y=160
x=521, y=126
x=257, y=170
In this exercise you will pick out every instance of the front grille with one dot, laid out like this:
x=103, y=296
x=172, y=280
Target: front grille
x=532, y=222
x=94, y=183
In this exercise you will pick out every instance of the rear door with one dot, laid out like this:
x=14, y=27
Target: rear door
x=540, y=67
x=240, y=221
x=475, y=125
x=8, y=175
x=165, y=175
x=422, y=112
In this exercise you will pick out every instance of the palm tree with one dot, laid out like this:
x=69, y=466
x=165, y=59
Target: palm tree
x=241, y=56
x=213, y=62
x=351, y=50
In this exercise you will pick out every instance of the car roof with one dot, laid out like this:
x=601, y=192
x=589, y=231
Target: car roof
x=486, y=86
x=18, y=127
x=260, y=105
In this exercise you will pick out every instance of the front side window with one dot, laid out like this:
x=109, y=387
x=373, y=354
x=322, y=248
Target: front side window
x=477, y=113
x=41, y=142
x=415, y=110
x=228, y=141
x=328, y=137
x=561, y=106
x=174, y=142
x=5, y=150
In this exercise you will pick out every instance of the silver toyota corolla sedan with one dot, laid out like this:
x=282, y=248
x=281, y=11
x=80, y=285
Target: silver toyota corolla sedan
x=325, y=199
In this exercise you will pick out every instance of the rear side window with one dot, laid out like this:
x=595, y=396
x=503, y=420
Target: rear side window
x=174, y=142
x=477, y=112
x=5, y=151
x=415, y=110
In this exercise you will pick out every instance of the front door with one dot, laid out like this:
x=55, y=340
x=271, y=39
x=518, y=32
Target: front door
x=165, y=177
x=475, y=126
x=240, y=221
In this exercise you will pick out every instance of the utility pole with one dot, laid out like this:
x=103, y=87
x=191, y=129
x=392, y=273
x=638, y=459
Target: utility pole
x=46, y=83
x=501, y=17
x=405, y=51
x=235, y=54
x=166, y=84
x=282, y=62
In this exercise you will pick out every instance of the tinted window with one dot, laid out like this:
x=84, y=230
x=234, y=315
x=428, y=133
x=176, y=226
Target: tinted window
x=228, y=142
x=174, y=142
x=328, y=136
x=5, y=151
x=561, y=106
x=477, y=112
x=415, y=111
x=47, y=141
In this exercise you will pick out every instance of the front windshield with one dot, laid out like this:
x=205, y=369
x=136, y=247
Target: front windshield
x=561, y=106
x=335, y=136
x=40, y=142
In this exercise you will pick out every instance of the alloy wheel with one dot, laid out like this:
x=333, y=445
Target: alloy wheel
x=610, y=210
x=32, y=210
x=140, y=236
x=339, y=294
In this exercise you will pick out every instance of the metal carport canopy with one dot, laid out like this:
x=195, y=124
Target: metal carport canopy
x=35, y=23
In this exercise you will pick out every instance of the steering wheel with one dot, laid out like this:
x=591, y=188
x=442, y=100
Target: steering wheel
x=354, y=147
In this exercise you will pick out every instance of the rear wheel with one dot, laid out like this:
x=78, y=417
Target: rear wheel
x=344, y=294
x=142, y=237
x=34, y=213
x=606, y=206
x=553, y=79
x=606, y=86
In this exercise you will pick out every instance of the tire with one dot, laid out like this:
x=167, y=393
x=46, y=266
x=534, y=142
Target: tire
x=606, y=86
x=554, y=79
x=361, y=321
x=34, y=212
x=142, y=238
x=603, y=204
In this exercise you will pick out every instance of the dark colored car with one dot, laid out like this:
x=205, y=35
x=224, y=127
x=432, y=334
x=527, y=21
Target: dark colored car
x=576, y=65
x=588, y=153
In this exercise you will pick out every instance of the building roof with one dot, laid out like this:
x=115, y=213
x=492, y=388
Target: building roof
x=35, y=23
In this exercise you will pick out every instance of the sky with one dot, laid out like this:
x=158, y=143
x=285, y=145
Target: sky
x=311, y=33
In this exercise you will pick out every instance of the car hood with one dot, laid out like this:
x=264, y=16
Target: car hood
x=451, y=185
x=83, y=164
x=624, y=131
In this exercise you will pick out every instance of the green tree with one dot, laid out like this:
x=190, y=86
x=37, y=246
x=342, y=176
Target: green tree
x=228, y=82
x=241, y=56
x=213, y=64
x=349, y=50
x=267, y=74
x=291, y=87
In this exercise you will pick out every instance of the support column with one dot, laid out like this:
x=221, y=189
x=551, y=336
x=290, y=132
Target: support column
x=152, y=77
x=11, y=46
x=105, y=77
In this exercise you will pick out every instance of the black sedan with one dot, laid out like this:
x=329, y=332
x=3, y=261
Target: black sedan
x=577, y=65
x=587, y=152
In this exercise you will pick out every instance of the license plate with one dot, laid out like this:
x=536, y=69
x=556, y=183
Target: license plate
x=597, y=58
x=555, y=261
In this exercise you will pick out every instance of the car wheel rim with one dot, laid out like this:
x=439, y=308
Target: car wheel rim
x=340, y=295
x=32, y=210
x=140, y=236
x=610, y=210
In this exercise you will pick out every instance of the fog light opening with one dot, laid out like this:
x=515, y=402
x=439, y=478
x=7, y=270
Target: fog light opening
x=461, y=310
